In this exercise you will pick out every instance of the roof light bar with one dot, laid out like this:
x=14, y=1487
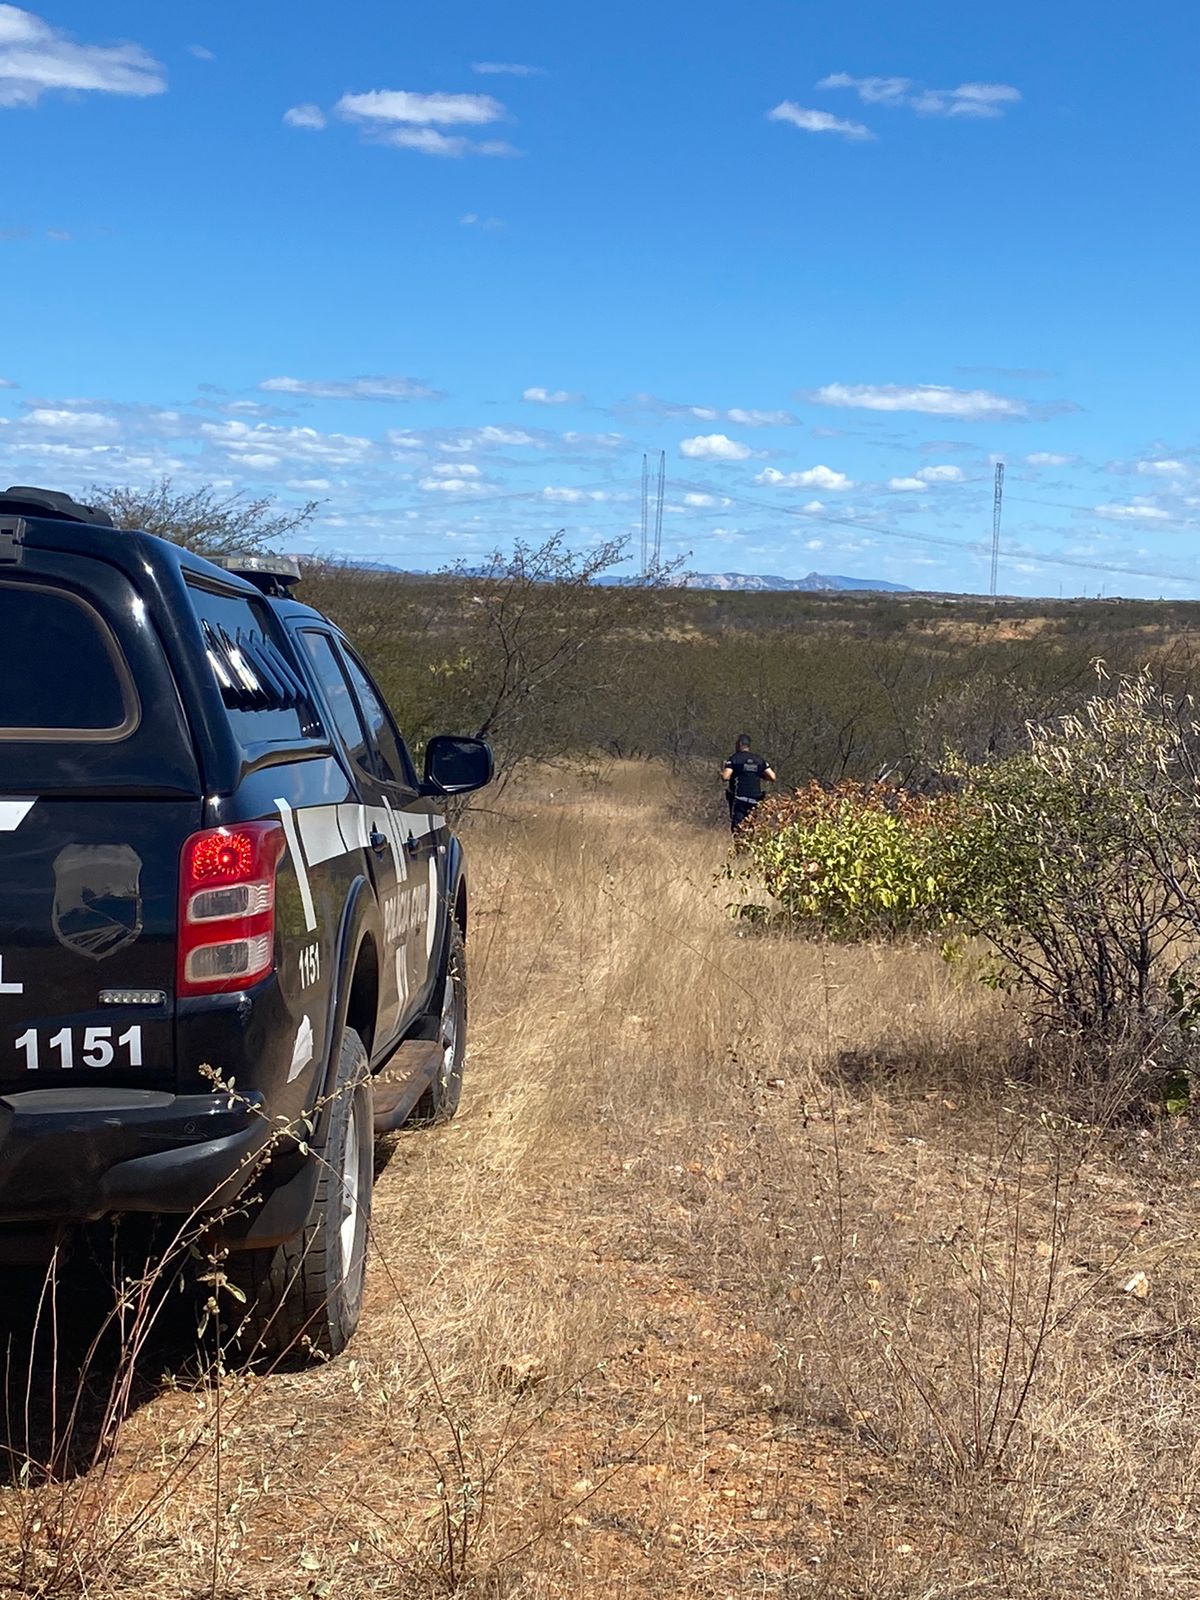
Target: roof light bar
x=268, y=565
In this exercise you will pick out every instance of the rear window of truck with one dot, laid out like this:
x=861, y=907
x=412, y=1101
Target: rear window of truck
x=265, y=698
x=62, y=674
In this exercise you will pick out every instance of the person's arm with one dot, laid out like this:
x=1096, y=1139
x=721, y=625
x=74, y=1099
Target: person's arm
x=768, y=772
x=727, y=772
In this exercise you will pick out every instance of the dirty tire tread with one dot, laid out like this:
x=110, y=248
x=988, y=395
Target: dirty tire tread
x=441, y=1098
x=297, y=1305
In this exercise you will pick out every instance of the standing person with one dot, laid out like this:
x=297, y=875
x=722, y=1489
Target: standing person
x=744, y=774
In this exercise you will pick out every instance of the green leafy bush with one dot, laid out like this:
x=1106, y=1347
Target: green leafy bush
x=857, y=861
x=1074, y=859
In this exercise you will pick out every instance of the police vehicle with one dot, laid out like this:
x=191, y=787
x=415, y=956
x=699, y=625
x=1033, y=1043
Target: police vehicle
x=232, y=915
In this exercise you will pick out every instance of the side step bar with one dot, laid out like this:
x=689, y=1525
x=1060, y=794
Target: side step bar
x=402, y=1082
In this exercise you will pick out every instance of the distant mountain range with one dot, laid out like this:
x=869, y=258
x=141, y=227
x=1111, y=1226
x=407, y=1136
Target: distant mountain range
x=760, y=580
x=745, y=582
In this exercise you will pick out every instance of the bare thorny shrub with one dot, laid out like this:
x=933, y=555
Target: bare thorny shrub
x=1095, y=909
x=203, y=519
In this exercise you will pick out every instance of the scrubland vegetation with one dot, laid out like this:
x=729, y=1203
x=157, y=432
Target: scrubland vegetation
x=748, y=1267
x=832, y=685
x=760, y=1260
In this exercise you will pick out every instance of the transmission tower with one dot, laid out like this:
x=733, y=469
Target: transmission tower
x=997, y=507
x=658, y=510
x=645, y=511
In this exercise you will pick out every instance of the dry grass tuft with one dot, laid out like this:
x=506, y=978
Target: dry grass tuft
x=745, y=1269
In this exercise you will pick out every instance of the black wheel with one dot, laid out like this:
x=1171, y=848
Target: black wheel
x=304, y=1298
x=440, y=1100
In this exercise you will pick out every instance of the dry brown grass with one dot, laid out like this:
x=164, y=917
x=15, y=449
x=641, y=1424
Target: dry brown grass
x=743, y=1271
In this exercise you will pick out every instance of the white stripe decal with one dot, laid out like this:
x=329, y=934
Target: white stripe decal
x=353, y=823
x=418, y=823
x=14, y=812
x=322, y=837
x=431, y=910
x=398, y=853
x=289, y=828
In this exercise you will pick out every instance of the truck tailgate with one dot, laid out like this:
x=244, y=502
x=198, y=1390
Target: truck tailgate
x=88, y=894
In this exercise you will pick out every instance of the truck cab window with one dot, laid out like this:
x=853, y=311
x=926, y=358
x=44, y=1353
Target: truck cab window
x=328, y=672
x=394, y=763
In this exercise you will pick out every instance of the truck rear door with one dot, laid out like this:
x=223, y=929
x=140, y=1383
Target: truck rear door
x=98, y=790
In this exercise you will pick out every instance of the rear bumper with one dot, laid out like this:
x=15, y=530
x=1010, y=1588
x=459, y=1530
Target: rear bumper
x=75, y=1155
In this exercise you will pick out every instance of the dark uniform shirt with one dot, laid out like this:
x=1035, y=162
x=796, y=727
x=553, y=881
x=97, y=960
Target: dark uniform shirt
x=748, y=771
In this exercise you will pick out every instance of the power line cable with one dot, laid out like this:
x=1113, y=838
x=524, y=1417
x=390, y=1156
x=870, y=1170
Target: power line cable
x=1067, y=505
x=936, y=541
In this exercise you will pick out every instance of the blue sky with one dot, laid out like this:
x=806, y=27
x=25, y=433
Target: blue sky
x=452, y=270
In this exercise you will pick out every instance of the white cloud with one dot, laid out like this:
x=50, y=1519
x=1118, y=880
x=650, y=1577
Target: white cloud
x=461, y=478
x=366, y=388
x=595, y=441
x=7, y=383
x=472, y=219
x=740, y=416
x=250, y=408
x=262, y=446
x=932, y=399
x=967, y=100
x=811, y=478
x=305, y=116
x=492, y=435
x=466, y=441
x=817, y=121
x=1137, y=510
x=447, y=485
x=550, y=397
x=432, y=142
x=422, y=110
x=667, y=408
x=506, y=69
x=871, y=91
x=714, y=447
x=79, y=424
x=201, y=52
x=1162, y=469
x=37, y=59
x=940, y=474
x=575, y=497
x=413, y=121
x=908, y=485
x=700, y=502
x=1048, y=458
x=759, y=419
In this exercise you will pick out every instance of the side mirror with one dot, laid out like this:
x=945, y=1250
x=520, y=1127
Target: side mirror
x=455, y=765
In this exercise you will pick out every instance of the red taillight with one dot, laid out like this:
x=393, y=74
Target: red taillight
x=227, y=907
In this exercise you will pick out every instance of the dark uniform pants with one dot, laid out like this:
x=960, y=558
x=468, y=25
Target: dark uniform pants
x=739, y=811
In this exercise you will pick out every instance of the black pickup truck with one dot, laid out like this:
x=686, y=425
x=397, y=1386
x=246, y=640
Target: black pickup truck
x=232, y=916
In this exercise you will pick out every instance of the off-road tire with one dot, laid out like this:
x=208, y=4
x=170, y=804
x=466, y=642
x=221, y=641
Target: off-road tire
x=303, y=1298
x=440, y=1100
